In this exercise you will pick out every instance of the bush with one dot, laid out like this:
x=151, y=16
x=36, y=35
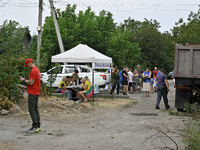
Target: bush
x=45, y=90
x=11, y=67
x=5, y=103
x=191, y=133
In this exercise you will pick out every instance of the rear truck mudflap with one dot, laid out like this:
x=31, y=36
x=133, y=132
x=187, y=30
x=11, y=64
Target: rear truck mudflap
x=183, y=95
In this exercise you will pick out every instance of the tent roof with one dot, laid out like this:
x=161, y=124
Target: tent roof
x=81, y=54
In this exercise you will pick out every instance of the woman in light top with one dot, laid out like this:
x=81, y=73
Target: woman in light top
x=146, y=81
x=87, y=87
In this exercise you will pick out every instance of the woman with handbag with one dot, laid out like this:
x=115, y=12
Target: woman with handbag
x=146, y=81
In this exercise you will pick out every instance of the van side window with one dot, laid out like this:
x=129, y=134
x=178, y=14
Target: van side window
x=69, y=69
x=56, y=70
x=84, y=70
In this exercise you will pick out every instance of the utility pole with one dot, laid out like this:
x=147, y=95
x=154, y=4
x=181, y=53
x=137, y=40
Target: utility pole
x=56, y=26
x=39, y=29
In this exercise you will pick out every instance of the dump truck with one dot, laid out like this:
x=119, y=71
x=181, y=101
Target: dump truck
x=187, y=75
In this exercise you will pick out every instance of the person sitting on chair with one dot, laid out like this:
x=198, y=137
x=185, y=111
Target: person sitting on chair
x=69, y=81
x=62, y=86
x=86, y=86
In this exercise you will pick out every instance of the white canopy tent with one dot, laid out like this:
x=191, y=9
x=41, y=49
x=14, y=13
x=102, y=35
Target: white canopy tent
x=82, y=54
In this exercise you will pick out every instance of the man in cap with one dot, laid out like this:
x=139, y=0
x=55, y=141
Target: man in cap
x=33, y=90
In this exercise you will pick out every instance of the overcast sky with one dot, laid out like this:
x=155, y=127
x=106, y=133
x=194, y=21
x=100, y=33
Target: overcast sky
x=166, y=12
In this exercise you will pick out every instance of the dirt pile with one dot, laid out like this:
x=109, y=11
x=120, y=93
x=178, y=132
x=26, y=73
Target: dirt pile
x=51, y=106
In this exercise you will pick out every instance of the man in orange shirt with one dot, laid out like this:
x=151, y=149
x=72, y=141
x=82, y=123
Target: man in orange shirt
x=33, y=90
x=155, y=72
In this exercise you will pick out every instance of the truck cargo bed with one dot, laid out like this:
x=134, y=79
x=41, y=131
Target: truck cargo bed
x=187, y=61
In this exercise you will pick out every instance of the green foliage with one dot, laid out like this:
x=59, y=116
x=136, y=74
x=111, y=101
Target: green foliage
x=84, y=27
x=53, y=75
x=32, y=53
x=122, y=51
x=192, y=108
x=176, y=113
x=11, y=67
x=187, y=32
x=191, y=135
x=157, y=49
x=45, y=90
x=11, y=38
x=5, y=103
x=12, y=58
x=141, y=43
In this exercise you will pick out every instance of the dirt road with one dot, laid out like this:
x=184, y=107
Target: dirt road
x=96, y=128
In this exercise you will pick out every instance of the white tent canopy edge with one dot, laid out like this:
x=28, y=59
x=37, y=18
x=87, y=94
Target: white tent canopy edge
x=82, y=54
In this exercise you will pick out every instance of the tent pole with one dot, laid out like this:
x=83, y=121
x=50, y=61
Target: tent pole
x=93, y=85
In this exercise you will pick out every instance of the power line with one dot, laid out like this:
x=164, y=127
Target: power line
x=10, y=9
x=108, y=6
x=5, y=3
x=15, y=12
x=17, y=4
x=63, y=2
x=131, y=6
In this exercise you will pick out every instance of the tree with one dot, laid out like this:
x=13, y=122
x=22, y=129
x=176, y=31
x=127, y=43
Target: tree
x=11, y=38
x=155, y=46
x=86, y=28
x=12, y=56
x=122, y=51
x=187, y=32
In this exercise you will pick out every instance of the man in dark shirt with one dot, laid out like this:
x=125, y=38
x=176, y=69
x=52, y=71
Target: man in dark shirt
x=140, y=72
x=75, y=77
x=162, y=89
x=121, y=79
x=125, y=81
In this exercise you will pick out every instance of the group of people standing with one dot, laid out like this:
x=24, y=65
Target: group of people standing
x=127, y=80
x=149, y=80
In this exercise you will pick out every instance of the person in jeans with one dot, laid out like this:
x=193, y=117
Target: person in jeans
x=121, y=79
x=33, y=90
x=162, y=89
x=125, y=81
x=62, y=85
